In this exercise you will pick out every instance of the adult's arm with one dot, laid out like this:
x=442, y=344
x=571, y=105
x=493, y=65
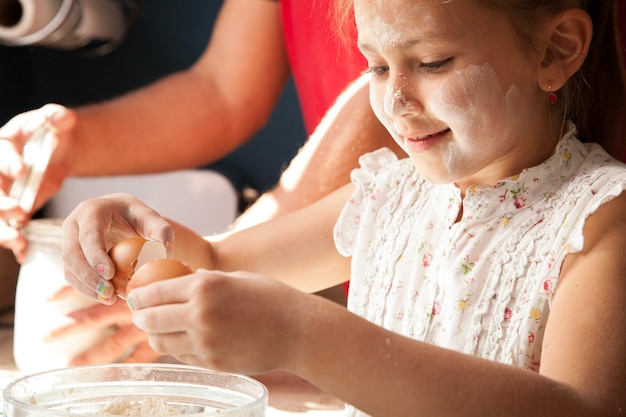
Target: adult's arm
x=194, y=116
x=185, y=120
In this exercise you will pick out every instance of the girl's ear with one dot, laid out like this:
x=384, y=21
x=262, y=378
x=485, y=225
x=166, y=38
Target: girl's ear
x=568, y=39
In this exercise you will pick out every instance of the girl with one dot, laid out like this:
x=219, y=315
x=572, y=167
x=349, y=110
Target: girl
x=487, y=269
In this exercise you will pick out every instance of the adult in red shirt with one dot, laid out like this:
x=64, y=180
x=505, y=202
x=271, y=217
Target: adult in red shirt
x=197, y=116
x=321, y=64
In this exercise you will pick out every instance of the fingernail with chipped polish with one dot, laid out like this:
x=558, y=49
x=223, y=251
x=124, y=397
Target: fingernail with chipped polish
x=130, y=304
x=103, y=271
x=104, y=291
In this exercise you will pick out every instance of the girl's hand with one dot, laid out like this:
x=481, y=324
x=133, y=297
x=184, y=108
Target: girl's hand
x=235, y=322
x=90, y=231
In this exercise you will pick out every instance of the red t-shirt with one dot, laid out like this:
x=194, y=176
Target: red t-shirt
x=321, y=64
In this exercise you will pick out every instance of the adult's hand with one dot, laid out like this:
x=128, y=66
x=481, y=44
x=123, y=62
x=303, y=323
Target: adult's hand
x=127, y=343
x=13, y=137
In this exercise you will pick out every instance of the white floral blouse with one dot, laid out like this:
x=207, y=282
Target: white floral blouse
x=481, y=285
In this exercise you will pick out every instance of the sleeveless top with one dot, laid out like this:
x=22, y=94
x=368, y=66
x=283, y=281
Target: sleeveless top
x=482, y=285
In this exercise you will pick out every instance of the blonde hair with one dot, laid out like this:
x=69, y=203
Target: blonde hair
x=595, y=97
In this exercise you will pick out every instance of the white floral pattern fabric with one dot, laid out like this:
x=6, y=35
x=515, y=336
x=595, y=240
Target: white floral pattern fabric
x=481, y=285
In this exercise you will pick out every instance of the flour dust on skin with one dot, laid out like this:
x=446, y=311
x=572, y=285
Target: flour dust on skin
x=383, y=23
x=473, y=104
x=385, y=17
x=471, y=101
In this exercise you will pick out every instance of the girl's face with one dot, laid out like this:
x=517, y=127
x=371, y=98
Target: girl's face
x=455, y=88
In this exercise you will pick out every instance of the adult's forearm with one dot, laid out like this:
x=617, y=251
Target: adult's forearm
x=178, y=122
x=195, y=116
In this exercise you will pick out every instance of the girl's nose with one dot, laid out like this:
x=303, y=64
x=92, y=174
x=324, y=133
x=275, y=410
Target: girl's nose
x=400, y=98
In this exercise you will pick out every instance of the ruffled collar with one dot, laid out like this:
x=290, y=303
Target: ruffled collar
x=532, y=184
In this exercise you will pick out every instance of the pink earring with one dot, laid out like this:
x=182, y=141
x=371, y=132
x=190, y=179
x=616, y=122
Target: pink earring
x=551, y=96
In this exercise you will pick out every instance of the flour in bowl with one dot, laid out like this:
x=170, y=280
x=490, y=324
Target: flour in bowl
x=150, y=406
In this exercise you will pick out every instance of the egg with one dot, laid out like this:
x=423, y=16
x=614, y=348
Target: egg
x=129, y=255
x=157, y=270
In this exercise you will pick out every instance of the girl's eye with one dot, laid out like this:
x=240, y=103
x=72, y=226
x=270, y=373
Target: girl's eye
x=379, y=71
x=433, y=67
x=436, y=66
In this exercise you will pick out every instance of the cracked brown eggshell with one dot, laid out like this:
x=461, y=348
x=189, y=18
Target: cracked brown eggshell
x=129, y=255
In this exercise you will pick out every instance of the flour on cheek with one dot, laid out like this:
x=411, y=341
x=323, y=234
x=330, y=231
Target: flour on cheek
x=476, y=109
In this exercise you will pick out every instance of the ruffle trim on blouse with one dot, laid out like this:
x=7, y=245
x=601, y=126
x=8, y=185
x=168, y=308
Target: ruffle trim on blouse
x=363, y=178
x=599, y=186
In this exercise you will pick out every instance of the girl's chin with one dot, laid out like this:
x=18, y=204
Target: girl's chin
x=434, y=174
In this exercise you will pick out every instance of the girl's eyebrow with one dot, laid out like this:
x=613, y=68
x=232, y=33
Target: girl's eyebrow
x=404, y=44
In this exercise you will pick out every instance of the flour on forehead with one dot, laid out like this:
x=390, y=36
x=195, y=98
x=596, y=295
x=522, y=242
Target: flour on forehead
x=384, y=32
x=387, y=21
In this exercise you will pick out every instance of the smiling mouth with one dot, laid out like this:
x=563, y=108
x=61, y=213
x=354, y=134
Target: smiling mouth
x=440, y=133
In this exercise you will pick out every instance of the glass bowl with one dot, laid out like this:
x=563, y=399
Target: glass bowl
x=134, y=389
